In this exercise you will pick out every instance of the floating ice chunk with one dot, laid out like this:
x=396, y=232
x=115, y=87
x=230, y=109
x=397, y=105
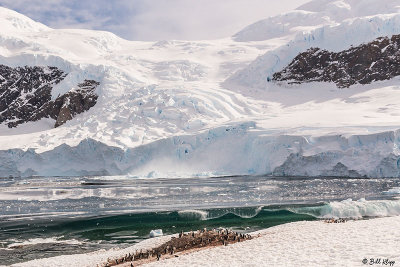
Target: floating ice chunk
x=155, y=233
x=393, y=191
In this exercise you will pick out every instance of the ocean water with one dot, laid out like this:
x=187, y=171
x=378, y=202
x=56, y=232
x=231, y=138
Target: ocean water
x=44, y=217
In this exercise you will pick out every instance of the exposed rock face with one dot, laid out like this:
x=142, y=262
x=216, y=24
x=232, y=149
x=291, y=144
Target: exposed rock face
x=75, y=102
x=24, y=90
x=25, y=95
x=374, y=61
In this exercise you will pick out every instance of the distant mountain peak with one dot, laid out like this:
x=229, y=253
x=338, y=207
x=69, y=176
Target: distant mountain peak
x=312, y=15
x=12, y=21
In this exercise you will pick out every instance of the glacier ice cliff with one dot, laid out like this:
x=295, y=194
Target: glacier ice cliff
x=237, y=149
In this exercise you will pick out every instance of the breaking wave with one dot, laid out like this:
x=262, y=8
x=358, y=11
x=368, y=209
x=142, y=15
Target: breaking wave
x=245, y=213
x=193, y=214
x=352, y=209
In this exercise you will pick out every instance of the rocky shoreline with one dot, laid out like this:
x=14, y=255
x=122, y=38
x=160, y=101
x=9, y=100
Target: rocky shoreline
x=182, y=244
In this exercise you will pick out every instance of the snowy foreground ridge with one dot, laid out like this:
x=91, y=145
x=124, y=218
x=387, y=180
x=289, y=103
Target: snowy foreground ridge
x=190, y=108
x=293, y=244
x=306, y=244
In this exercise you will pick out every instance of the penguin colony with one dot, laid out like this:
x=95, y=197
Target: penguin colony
x=184, y=241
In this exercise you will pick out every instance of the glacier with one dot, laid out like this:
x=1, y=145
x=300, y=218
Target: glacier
x=239, y=150
x=190, y=108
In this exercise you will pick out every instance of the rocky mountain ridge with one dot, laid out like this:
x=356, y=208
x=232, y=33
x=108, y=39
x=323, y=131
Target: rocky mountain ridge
x=374, y=61
x=25, y=95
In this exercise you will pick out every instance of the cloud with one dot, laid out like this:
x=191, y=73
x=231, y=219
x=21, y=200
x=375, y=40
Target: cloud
x=203, y=19
x=153, y=19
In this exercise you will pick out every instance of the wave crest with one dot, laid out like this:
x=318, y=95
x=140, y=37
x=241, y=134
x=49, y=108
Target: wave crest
x=193, y=214
x=353, y=209
x=245, y=213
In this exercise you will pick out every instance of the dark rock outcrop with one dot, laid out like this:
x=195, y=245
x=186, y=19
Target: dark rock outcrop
x=25, y=95
x=375, y=61
x=74, y=102
x=24, y=91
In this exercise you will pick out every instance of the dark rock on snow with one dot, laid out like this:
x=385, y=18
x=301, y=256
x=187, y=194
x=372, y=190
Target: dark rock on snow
x=25, y=95
x=75, y=101
x=375, y=61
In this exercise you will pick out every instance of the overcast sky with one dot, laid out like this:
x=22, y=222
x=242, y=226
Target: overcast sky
x=153, y=19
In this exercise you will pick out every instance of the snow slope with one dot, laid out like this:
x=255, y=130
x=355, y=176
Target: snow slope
x=304, y=243
x=179, y=107
x=313, y=15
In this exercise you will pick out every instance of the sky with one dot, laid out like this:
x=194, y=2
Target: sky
x=151, y=20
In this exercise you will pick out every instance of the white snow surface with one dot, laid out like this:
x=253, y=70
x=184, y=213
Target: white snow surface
x=174, y=107
x=305, y=244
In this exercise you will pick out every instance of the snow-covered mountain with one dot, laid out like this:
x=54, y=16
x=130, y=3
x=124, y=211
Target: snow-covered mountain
x=221, y=107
